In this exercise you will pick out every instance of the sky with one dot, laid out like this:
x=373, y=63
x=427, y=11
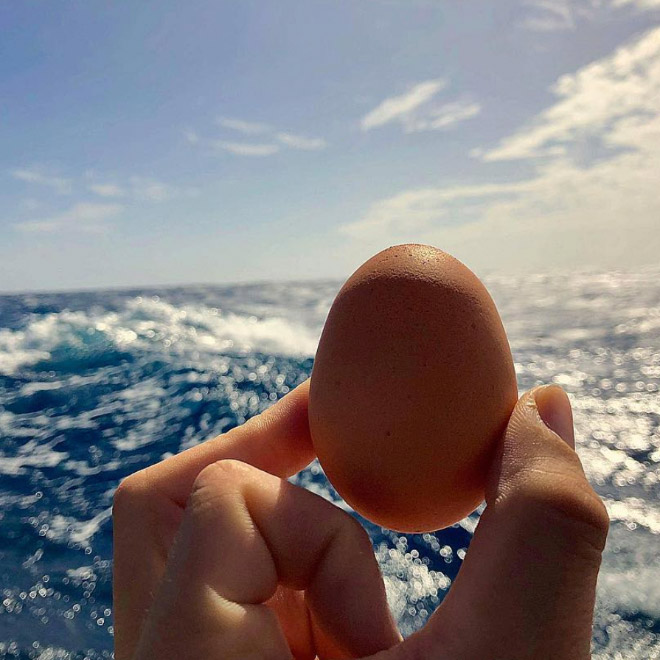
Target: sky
x=165, y=142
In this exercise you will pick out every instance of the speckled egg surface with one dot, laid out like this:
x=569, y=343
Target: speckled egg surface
x=412, y=386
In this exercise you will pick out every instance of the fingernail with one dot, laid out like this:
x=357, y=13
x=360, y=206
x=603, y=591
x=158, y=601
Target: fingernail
x=555, y=411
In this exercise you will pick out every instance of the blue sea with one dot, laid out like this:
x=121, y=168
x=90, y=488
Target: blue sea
x=96, y=385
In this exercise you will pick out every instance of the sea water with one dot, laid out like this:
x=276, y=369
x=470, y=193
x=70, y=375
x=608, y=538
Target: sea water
x=97, y=385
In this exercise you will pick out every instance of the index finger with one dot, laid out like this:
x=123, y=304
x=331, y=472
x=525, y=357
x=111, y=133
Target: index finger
x=276, y=441
x=148, y=505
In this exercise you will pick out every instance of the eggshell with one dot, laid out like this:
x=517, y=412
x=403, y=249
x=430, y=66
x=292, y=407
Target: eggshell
x=412, y=385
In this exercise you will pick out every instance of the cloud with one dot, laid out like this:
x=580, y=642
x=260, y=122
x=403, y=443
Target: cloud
x=271, y=142
x=142, y=188
x=92, y=217
x=419, y=209
x=301, y=142
x=444, y=117
x=415, y=111
x=552, y=15
x=555, y=15
x=288, y=140
x=152, y=190
x=84, y=217
x=639, y=4
x=575, y=207
x=401, y=107
x=60, y=185
x=107, y=189
x=242, y=126
x=191, y=136
x=247, y=148
x=591, y=103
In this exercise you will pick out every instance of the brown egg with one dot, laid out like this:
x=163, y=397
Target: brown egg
x=413, y=384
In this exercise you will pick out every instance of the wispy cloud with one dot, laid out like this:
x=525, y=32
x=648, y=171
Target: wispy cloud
x=416, y=111
x=639, y=4
x=605, y=209
x=89, y=216
x=247, y=148
x=444, y=117
x=593, y=103
x=551, y=15
x=191, y=136
x=411, y=211
x=140, y=188
x=84, y=217
x=59, y=184
x=152, y=190
x=555, y=15
x=271, y=139
x=107, y=189
x=301, y=142
x=401, y=107
x=242, y=126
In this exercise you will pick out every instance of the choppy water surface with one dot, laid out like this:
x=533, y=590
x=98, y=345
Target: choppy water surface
x=94, y=386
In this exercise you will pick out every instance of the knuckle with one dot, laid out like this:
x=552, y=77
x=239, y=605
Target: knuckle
x=216, y=485
x=356, y=534
x=129, y=493
x=221, y=472
x=570, y=504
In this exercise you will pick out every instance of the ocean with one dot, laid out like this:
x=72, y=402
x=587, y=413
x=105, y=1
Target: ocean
x=96, y=385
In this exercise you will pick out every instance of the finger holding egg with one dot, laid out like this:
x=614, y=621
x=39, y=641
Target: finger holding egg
x=412, y=386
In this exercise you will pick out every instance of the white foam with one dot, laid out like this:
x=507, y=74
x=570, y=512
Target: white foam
x=153, y=324
x=66, y=529
x=32, y=388
x=53, y=653
x=635, y=590
x=15, y=353
x=78, y=575
x=32, y=454
x=634, y=512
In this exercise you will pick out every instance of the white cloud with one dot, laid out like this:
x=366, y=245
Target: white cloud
x=60, y=185
x=419, y=209
x=271, y=142
x=444, y=116
x=247, y=148
x=92, y=217
x=551, y=15
x=191, y=136
x=84, y=217
x=639, y=4
x=401, y=107
x=592, y=102
x=242, y=126
x=141, y=188
x=152, y=190
x=107, y=189
x=554, y=15
x=575, y=208
x=415, y=111
x=301, y=142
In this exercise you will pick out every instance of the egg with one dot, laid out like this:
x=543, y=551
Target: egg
x=412, y=386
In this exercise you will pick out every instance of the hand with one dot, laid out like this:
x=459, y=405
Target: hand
x=217, y=556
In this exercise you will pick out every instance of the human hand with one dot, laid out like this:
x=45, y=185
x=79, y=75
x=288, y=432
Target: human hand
x=218, y=556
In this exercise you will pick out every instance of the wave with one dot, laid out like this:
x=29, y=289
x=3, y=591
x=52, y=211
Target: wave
x=71, y=340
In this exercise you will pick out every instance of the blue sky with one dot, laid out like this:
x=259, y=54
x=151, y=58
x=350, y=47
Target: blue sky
x=168, y=142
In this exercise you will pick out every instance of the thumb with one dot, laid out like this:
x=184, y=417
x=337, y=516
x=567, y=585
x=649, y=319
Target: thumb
x=527, y=586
